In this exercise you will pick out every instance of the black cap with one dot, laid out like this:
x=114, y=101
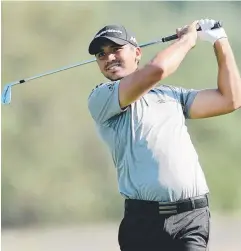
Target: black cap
x=115, y=33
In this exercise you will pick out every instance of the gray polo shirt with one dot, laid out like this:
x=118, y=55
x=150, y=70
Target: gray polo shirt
x=149, y=142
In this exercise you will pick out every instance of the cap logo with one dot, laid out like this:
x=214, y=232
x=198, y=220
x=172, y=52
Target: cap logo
x=103, y=32
x=133, y=39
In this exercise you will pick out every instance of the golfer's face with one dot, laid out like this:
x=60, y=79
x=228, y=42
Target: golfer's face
x=116, y=61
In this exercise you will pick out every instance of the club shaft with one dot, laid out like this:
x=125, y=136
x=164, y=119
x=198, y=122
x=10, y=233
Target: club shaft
x=69, y=67
x=55, y=71
x=162, y=40
x=151, y=43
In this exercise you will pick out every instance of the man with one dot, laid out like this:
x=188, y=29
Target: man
x=159, y=175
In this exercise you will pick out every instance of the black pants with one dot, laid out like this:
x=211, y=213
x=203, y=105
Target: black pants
x=145, y=230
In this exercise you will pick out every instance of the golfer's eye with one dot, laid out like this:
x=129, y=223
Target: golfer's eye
x=100, y=55
x=115, y=49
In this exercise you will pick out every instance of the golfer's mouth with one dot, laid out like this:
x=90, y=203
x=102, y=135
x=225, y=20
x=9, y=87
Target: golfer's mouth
x=113, y=67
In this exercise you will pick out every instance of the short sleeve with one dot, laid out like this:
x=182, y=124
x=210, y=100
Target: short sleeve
x=103, y=102
x=187, y=97
x=184, y=96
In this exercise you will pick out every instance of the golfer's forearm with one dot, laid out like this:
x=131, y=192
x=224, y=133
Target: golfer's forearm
x=229, y=81
x=169, y=59
x=165, y=63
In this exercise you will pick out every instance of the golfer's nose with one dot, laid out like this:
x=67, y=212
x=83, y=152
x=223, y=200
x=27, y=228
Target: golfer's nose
x=111, y=57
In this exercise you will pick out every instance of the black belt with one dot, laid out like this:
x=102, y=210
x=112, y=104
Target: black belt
x=154, y=207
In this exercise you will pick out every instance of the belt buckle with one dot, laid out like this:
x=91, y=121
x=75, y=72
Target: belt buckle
x=166, y=209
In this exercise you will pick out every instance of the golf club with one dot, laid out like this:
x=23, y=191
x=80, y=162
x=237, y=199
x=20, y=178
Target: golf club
x=6, y=95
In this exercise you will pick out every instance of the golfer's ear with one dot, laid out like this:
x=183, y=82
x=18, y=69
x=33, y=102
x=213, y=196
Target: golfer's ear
x=138, y=53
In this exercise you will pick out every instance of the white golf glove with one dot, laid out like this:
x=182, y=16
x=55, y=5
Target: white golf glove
x=206, y=34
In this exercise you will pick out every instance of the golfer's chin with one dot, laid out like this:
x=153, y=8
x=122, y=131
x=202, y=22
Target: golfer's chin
x=115, y=75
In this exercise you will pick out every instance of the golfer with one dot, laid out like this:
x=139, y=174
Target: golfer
x=142, y=122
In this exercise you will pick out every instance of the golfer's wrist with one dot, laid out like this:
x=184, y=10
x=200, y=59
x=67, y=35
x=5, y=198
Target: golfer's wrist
x=188, y=40
x=222, y=50
x=219, y=43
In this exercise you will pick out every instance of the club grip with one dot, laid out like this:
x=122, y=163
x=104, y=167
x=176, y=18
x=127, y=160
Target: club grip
x=216, y=26
x=173, y=37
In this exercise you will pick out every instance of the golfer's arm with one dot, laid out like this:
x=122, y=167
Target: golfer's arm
x=227, y=97
x=165, y=63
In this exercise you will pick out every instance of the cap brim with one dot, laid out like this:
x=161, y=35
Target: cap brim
x=95, y=45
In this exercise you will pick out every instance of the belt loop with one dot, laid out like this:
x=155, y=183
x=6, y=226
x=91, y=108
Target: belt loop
x=193, y=204
x=126, y=204
x=206, y=196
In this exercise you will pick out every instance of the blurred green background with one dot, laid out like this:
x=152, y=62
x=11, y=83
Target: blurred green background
x=55, y=168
